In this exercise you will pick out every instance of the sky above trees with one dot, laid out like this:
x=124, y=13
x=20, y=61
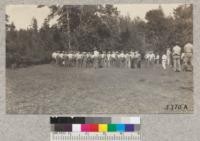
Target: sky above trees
x=22, y=15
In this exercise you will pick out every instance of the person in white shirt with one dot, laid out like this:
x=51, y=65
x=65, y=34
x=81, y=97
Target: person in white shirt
x=113, y=58
x=65, y=56
x=108, y=59
x=183, y=62
x=168, y=53
x=138, y=59
x=103, y=59
x=121, y=59
x=132, y=56
x=76, y=57
x=117, y=59
x=147, y=59
x=96, y=59
x=54, y=56
x=128, y=60
x=80, y=59
x=157, y=59
x=88, y=60
x=61, y=58
x=92, y=59
x=70, y=56
x=188, y=50
x=84, y=59
x=73, y=59
x=152, y=58
x=164, y=61
x=176, y=52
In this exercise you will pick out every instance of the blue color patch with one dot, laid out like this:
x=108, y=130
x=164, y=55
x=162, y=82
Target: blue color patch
x=120, y=127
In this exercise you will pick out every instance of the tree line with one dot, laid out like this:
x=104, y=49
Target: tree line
x=85, y=27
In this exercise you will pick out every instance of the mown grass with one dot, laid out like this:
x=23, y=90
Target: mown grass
x=49, y=89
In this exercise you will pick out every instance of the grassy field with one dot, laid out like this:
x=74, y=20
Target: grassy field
x=49, y=89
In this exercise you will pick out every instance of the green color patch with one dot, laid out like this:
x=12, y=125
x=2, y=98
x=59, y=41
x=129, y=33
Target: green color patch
x=111, y=127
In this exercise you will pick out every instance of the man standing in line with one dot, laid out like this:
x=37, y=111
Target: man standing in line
x=152, y=58
x=117, y=59
x=65, y=56
x=54, y=57
x=108, y=59
x=164, y=61
x=96, y=58
x=121, y=59
x=188, y=52
x=84, y=55
x=176, y=52
x=183, y=62
x=128, y=60
x=138, y=59
x=168, y=56
x=114, y=59
x=103, y=59
x=61, y=57
x=147, y=58
x=132, y=56
x=157, y=58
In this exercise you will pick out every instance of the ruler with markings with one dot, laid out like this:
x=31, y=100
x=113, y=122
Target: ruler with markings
x=80, y=136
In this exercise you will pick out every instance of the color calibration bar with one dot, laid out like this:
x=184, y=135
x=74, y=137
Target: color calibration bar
x=95, y=124
x=95, y=128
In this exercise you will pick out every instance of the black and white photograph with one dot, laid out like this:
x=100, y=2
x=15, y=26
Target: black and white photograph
x=99, y=59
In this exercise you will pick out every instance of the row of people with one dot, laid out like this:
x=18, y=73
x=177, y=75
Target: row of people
x=152, y=58
x=175, y=57
x=96, y=59
x=179, y=59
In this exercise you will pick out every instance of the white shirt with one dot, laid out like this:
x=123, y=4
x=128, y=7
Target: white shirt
x=79, y=56
x=177, y=50
x=152, y=56
x=188, y=48
x=168, y=52
x=113, y=55
x=61, y=55
x=70, y=56
x=147, y=56
x=127, y=56
x=182, y=55
x=164, y=57
x=132, y=54
x=137, y=55
x=54, y=54
x=103, y=55
x=96, y=53
x=157, y=56
x=108, y=56
x=121, y=55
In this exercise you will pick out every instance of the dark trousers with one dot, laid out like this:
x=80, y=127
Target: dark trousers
x=132, y=63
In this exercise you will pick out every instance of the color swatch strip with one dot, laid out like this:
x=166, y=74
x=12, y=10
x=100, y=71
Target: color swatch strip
x=95, y=124
x=95, y=127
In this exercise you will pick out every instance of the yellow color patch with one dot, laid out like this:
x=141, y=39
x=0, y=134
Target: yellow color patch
x=103, y=127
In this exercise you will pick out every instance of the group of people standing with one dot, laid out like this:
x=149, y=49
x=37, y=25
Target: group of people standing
x=98, y=59
x=179, y=59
